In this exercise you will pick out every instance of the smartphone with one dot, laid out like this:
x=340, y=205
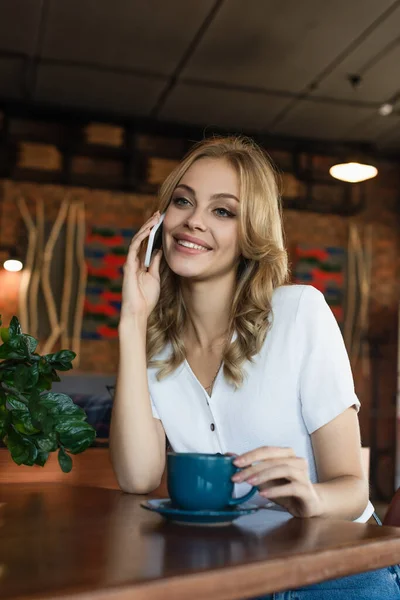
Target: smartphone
x=155, y=240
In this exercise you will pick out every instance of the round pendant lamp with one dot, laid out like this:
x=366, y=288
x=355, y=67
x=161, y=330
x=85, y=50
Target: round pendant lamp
x=353, y=172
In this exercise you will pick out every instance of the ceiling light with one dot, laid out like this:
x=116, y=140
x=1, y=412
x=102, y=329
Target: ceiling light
x=353, y=172
x=13, y=262
x=13, y=265
x=386, y=109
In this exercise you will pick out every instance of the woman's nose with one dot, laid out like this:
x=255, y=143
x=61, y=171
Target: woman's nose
x=195, y=221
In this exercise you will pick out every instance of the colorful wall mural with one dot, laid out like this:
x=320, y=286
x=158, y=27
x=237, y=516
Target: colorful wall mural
x=105, y=251
x=325, y=269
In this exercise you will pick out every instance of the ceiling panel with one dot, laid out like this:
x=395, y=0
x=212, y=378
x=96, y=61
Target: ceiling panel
x=148, y=36
x=220, y=108
x=389, y=139
x=371, y=127
x=320, y=120
x=11, y=77
x=377, y=61
x=91, y=89
x=19, y=22
x=250, y=47
x=279, y=44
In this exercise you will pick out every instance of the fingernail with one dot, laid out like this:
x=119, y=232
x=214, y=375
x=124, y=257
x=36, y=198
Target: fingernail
x=239, y=462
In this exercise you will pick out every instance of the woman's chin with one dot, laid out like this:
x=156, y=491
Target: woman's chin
x=188, y=273
x=186, y=267
x=198, y=270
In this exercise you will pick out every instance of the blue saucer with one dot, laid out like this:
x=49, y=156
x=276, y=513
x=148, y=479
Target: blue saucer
x=165, y=508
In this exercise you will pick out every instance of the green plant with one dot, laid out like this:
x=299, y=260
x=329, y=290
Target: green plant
x=33, y=420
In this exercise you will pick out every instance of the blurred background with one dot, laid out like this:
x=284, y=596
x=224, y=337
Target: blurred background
x=100, y=99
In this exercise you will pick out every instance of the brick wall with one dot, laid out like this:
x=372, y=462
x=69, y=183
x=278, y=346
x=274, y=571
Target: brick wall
x=103, y=208
x=382, y=212
x=130, y=210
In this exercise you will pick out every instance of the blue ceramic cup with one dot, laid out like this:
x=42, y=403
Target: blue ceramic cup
x=202, y=481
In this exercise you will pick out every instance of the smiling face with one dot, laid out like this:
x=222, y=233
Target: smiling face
x=200, y=238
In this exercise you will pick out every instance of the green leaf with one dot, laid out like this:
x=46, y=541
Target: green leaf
x=34, y=369
x=33, y=420
x=8, y=351
x=63, y=366
x=25, y=377
x=65, y=356
x=5, y=336
x=31, y=342
x=44, y=367
x=5, y=420
x=14, y=403
x=41, y=458
x=7, y=375
x=23, y=451
x=47, y=443
x=14, y=328
x=43, y=421
x=22, y=422
x=54, y=376
x=64, y=460
x=41, y=418
x=75, y=435
x=44, y=383
x=61, y=404
x=20, y=416
x=49, y=409
x=61, y=361
x=48, y=425
x=19, y=344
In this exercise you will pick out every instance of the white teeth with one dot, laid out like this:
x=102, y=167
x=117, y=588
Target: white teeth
x=190, y=245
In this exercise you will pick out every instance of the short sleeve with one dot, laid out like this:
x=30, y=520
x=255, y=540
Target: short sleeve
x=154, y=410
x=326, y=380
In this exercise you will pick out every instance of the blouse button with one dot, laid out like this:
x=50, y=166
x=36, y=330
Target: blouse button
x=212, y=426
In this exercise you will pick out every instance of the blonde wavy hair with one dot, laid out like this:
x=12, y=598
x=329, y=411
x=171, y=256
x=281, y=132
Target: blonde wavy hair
x=263, y=264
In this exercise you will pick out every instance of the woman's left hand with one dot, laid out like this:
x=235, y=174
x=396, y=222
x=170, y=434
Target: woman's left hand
x=282, y=477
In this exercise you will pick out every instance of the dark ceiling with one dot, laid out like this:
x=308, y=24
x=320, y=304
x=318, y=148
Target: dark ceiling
x=280, y=67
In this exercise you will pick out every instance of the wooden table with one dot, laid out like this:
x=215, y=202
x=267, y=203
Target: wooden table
x=68, y=542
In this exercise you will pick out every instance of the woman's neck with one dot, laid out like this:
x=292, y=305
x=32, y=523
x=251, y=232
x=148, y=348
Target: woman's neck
x=208, y=306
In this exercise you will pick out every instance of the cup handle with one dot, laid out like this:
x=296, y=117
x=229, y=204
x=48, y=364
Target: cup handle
x=234, y=501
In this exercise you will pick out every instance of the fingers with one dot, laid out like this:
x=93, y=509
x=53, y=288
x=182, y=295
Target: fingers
x=150, y=219
x=145, y=229
x=154, y=268
x=143, y=232
x=261, y=469
x=293, y=489
x=263, y=453
x=290, y=472
x=148, y=224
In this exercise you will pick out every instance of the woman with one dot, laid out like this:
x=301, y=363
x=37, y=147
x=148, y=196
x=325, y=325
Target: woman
x=217, y=354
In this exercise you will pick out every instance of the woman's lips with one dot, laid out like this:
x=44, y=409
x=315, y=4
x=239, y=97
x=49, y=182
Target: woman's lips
x=186, y=250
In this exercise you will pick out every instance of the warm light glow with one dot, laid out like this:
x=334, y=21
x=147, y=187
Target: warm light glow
x=353, y=172
x=13, y=265
x=386, y=109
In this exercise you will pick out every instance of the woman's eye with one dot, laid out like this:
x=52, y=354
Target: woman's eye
x=181, y=201
x=223, y=212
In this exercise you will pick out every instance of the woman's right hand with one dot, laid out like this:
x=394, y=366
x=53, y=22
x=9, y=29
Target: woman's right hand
x=141, y=286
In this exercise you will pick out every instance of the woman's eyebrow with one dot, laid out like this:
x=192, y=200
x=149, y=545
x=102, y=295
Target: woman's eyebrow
x=213, y=197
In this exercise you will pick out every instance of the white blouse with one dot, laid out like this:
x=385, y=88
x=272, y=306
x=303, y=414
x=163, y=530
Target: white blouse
x=300, y=380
